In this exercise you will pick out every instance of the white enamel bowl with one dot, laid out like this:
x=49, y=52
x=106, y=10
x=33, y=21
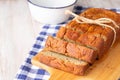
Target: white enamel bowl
x=50, y=11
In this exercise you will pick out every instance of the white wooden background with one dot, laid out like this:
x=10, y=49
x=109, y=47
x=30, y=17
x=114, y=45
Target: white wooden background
x=18, y=32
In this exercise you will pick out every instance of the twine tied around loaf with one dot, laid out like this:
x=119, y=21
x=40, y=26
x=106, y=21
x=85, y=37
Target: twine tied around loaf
x=101, y=22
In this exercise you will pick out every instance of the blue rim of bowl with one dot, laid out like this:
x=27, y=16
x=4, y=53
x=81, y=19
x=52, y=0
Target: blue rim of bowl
x=52, y=7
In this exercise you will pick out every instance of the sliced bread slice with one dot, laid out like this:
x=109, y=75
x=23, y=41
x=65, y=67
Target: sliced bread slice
x=86, y=39
x=70, y=49
x=63, y=62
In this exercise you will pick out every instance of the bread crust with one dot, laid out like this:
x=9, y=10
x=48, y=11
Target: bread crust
x=86, y=39
x=62, y=65
x=70, y=49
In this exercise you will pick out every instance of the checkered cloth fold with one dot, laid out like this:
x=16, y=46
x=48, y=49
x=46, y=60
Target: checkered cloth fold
x=29, y=72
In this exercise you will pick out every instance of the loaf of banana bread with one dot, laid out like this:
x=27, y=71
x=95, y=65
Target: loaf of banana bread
x=80, y=42
x=92, y=35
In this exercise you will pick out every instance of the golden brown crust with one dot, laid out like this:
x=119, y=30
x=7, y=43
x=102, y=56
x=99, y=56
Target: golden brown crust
x=70, y=49
x=61, y=32
x=95, y=13
x=105, y=33
x=86, y=39
x=56, y=45
x=62, y=65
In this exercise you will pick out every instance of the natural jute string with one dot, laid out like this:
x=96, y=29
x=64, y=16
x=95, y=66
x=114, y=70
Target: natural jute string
x=101, y=22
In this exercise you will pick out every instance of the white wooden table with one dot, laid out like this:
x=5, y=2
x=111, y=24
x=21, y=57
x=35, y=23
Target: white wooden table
x=18, y=32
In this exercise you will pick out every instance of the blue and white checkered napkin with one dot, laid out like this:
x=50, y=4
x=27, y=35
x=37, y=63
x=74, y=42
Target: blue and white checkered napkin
x=29, y=72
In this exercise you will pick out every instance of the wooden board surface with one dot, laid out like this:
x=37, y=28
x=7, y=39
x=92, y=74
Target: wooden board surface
x=107, y=68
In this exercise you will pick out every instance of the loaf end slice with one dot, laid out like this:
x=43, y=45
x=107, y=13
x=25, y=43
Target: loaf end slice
x=63, y=62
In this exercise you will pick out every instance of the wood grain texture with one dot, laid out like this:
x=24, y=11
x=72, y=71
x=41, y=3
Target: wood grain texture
x=18, y=32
